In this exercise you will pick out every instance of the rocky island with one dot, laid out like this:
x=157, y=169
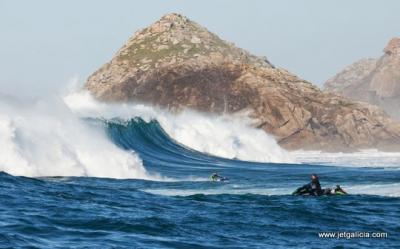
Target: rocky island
x=176, y=63
x=376, y=81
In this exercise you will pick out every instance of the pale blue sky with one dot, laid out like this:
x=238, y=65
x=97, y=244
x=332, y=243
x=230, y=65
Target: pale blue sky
x=43, y=43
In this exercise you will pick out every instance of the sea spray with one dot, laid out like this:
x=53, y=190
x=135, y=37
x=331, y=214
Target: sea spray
x=44, y=138
x=224, y=136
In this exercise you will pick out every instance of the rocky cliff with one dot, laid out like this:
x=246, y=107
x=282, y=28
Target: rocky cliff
x=376, y=81
x=175, y=63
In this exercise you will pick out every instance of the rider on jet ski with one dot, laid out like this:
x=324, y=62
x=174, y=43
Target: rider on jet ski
x=314, y=188
x=216, y=178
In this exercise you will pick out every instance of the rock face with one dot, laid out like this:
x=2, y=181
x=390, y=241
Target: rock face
x=176, y=64
x=376, y=81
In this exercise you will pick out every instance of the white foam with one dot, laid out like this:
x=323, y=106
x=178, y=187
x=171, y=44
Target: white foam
x=391, y=189
x=44, y=138
x=364, y=158
x=223, y=136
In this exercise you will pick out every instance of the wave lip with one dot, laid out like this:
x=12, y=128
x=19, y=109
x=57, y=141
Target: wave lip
x=222, y=136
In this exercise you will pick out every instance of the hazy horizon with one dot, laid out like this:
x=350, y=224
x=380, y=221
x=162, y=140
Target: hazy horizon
x=45, y=43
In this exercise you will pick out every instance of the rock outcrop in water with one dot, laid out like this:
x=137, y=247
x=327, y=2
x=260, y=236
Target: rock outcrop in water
x=376, y=81
x=175, y=63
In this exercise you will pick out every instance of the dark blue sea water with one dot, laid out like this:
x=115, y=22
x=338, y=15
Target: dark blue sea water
x=185, y=210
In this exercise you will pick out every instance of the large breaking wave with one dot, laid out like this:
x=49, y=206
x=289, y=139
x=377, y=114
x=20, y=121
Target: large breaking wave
x=54, y=137
x=223, y=136
x=79, y=136
x=44, y=138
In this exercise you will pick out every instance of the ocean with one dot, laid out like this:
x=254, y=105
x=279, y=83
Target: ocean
x=81, y=174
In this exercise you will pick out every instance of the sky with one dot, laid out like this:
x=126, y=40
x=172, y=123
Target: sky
x=46, y=43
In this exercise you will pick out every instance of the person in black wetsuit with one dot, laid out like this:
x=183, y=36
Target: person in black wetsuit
x=312, y=188
x=315, y=186
x=215, y=177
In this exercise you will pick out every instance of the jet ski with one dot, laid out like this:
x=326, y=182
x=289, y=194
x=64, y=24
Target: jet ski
x=304, y=190
x=217, y=178
x=221, y=179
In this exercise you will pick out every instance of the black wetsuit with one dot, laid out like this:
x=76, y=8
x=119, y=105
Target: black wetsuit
x=215, y=177
x=312, y=188
x=315, y=187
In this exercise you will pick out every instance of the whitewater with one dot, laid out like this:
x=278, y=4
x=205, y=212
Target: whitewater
x=45, y=138
x=85, y=173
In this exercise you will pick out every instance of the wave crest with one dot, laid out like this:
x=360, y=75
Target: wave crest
x=223, y=136
x=44, y=138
